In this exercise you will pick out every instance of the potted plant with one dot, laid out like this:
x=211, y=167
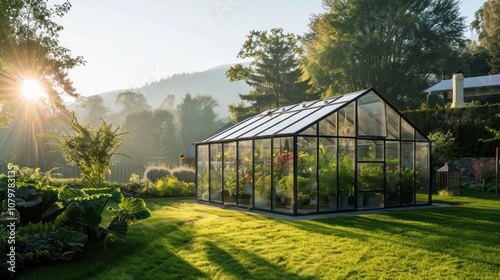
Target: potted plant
x=328, y=184
x=407, y=185
x=345, y=180
x=230, y=182
x=392, y=185
x=306, y=192
x=327, y=178
x=262, y=189
x=370, y=198
x=284, y=189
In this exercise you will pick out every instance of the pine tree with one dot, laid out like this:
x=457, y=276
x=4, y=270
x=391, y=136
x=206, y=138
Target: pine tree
x=275, y=73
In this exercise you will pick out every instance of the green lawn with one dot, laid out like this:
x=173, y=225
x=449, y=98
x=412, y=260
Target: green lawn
x=187, y=240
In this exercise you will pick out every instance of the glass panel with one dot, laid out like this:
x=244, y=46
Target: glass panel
x=347, y=121
x=312, y=130
x=346, y=173
x=392, y=123
x=348, y=97
x=252, y=129
x=407, y=173
x=327, y=174
x=392, y=173
x=229, y=167
x=281, y=121
x=407, y=130
x=307, y=120
x=370, y=150
x=262, y=174
x=420, y=137
x=245, y=172
x=202, y=172
x=371, y=115
x=422, y=173
x=328, y=126
x=370, y=176
x=216, y=172
x=232, y=129
x=370, y=200
x=283, y=174
x=306, y=175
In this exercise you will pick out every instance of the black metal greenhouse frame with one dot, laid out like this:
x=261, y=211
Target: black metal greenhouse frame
x=208, y=142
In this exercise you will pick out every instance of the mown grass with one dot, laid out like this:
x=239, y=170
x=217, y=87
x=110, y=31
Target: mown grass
x=188, y=240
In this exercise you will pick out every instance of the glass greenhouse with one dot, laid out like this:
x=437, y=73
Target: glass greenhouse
x=345, y=153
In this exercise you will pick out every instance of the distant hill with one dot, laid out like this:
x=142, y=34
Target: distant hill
x=210, y=82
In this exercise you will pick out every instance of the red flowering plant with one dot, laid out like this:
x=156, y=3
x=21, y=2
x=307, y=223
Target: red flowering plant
x=484, y=172
x=284, y=164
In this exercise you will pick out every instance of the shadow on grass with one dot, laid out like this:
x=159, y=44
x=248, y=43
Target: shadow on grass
x=463, y=232
x=144, y=255
x=226, y=261
x=261, y=268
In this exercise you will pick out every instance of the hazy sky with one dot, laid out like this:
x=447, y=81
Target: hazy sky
x=129, y=42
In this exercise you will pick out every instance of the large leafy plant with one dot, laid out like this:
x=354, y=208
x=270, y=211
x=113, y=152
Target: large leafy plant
x=56, y=223
x=34, y=199
x=84, y=208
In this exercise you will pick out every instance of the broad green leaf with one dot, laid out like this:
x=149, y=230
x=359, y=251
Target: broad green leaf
x=73, y=238
x=68, y=193
x=27, y=197
x=136, y=208
x=98, y=201
x=115, y=193
x=118, y=227
x=92, y=218
x=71, y=217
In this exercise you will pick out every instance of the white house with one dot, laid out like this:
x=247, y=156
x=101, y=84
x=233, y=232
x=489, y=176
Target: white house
x=464, y=90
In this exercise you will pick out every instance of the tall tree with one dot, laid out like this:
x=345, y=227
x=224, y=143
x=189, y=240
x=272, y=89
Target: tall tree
x=196, y=118
x=91, y=108
x=131, y=101
x=153, y=133
x=30, y=50
x=476, y=61
x=394, y=45
x=274, y=74
x=487, y=24
x=168, y=102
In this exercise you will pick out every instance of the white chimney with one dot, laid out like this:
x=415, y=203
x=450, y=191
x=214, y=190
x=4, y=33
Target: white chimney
x=458, y=90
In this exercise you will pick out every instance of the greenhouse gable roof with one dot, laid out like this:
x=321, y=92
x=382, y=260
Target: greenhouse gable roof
x=286, y=120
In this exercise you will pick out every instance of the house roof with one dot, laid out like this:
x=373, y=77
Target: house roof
x=469, y=83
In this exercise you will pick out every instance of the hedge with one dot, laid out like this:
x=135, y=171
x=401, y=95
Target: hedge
x=466, y=123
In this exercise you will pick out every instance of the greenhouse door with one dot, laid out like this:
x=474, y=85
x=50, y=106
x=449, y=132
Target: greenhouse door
x=370, y=174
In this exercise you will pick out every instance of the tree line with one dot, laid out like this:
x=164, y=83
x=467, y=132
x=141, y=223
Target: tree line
x=399, y=47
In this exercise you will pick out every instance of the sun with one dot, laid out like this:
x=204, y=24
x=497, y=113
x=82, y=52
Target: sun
x=32, y=90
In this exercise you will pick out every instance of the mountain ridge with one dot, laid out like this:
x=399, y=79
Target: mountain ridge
x=211, y=82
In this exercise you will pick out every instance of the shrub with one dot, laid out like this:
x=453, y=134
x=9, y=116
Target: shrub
x=75, y=183
x=91, y=149
x=184, y=174
x=156, y=171
x=484, y=172
x=135, y=188
x=170, y=186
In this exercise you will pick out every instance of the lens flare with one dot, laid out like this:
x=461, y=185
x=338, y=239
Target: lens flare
x=32, y=90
